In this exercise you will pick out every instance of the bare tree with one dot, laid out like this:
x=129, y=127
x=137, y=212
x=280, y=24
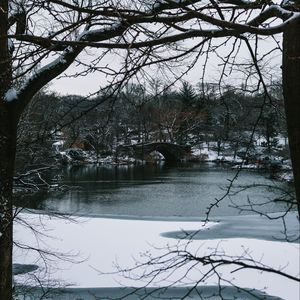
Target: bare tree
x=39, y=40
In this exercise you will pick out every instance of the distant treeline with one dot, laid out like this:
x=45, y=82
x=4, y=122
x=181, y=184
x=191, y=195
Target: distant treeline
x=194, y=115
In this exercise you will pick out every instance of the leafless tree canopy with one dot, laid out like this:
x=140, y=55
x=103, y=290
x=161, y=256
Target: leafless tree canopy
x=46, y=37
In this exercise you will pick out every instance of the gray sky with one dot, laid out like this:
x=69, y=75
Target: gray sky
x=93, y=82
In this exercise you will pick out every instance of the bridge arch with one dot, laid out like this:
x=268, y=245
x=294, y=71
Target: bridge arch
x=171, y=152
x=168, y=155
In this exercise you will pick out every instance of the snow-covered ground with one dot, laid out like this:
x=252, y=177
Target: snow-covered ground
x=99, y=244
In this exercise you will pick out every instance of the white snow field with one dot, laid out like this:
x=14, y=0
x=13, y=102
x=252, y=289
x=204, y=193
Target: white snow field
x=99, y=244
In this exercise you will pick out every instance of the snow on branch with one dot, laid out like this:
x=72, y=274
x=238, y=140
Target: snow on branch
x=11, y=95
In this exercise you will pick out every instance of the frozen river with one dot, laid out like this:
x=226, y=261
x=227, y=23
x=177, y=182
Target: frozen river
x=125, y=212
x=159, y=191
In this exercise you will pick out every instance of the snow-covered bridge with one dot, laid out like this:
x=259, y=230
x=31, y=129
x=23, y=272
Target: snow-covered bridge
x=171, y=152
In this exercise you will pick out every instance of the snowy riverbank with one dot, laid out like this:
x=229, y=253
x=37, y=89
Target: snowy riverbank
x=278, y=166
x=98, y=244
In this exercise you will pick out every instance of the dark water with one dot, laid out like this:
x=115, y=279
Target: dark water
x=184, y=190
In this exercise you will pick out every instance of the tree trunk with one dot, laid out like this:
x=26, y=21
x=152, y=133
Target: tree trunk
x=8, y=126
x=8, y=134
x=291, y=92
x=7, y=158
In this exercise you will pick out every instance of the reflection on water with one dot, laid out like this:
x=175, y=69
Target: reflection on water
x=155, y=190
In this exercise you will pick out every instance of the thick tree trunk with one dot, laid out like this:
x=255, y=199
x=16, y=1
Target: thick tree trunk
x=8, y=136
x=7, y=158
x=291, y=92
x=8, y=125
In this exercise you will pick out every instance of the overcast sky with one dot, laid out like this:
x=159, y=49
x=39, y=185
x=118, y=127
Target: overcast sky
x=93, y=82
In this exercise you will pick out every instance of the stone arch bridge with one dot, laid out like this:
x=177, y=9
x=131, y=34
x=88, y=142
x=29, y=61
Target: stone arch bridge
x=171, y=152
